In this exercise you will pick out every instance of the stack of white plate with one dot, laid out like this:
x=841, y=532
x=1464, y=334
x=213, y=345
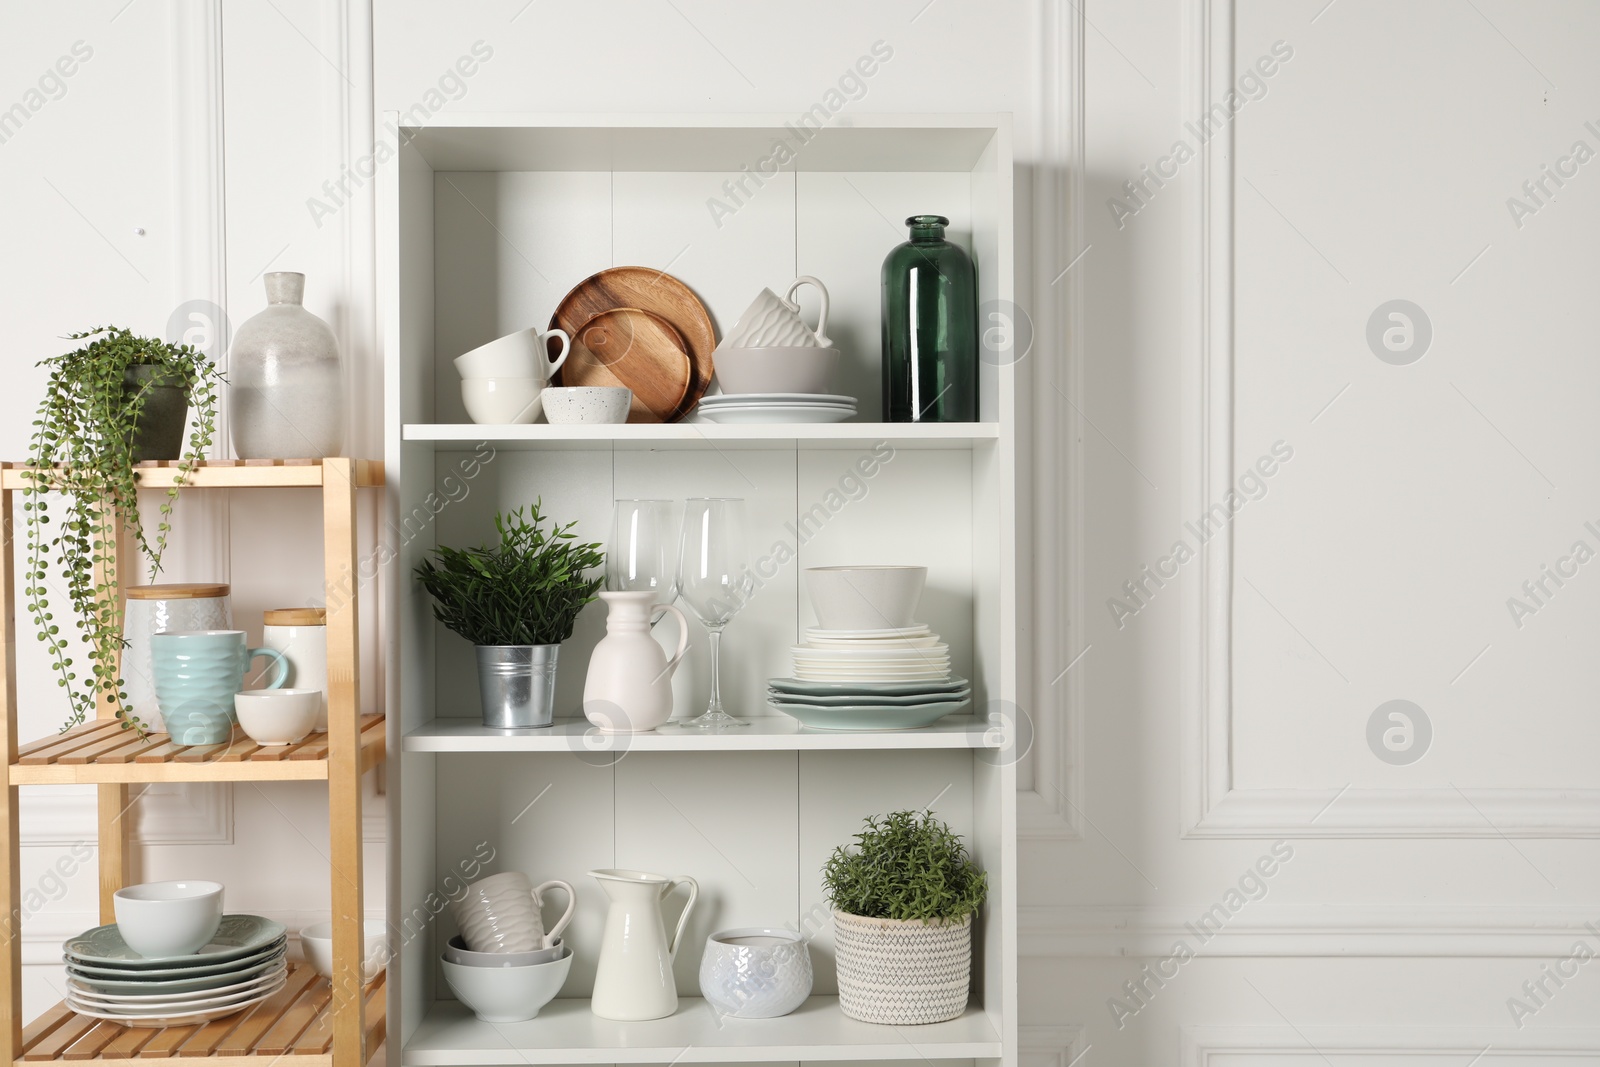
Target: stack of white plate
x=242, y=965
x=766, y=408
x=905, y=654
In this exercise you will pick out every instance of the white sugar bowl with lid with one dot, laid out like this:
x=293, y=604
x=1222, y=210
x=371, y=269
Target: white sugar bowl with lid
x=301, y=634
x=152, y=609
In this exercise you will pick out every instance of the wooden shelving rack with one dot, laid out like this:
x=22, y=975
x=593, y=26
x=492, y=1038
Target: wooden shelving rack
x=308, y=1018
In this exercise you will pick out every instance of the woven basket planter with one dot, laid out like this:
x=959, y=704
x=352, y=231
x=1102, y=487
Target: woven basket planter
x=905, y=973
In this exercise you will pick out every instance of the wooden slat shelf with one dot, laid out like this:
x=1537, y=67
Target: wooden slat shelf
x=294, y=1021
x=103, y=752
x=225, y=474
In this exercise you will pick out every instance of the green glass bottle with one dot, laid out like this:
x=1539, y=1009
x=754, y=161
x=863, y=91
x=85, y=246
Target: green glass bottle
x=930, y=328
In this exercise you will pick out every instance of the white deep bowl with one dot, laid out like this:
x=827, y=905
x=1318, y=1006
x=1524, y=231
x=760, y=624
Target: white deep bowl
x=278, y=716
x=507, y=994
x=502, y=401
x=755, y=972
x=776, y=370
x=598, y=404
x=865, y=598
x=316, y=941
x=456, y=951
x=162, y=919
x=516, y=355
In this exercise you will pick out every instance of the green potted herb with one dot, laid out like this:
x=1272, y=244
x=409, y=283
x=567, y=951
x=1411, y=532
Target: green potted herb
x=903, y=899
x=116, y=401
x=516, y=600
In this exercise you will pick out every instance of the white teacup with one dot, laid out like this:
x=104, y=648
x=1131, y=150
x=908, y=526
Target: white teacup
x=516, y=355
x=504, y=913
x=772, y=321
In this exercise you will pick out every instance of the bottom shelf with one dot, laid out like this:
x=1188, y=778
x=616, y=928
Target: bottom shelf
x=295, y=1021
x=566, y=1031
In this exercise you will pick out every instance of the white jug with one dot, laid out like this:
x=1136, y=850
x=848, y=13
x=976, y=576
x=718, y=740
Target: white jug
x=629, y=686
x=633, y=979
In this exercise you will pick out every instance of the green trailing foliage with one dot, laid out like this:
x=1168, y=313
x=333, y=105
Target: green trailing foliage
x=527, y=589
x=906, y=865
x=85, y=431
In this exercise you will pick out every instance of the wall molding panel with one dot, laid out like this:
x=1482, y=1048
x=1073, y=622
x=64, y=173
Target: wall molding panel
x=1051, y=1046
x=1212, y=806
x=1051, y=784
x=166, y=814
x=1200, y=1045
x=1326, y=930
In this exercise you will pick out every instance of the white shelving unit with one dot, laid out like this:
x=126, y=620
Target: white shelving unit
x=484, y=224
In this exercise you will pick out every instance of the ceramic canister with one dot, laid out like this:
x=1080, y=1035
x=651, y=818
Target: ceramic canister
x=301, y=634
x=150, y=610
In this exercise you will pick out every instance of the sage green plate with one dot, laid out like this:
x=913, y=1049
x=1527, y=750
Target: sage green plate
x=191, y=981
x=935, y=690
x=876, y=717
x=237, y=937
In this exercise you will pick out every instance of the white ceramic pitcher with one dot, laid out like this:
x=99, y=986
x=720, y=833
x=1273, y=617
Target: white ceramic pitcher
x=629, y=686
x=633, y=979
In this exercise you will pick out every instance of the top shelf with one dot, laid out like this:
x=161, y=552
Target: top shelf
x=954, y=435
x=228, y=473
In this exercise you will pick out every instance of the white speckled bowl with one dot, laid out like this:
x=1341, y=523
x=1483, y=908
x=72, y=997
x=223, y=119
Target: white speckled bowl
x=594, y=404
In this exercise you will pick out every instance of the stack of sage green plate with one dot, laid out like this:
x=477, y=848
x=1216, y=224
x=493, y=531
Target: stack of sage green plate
x=240, y=967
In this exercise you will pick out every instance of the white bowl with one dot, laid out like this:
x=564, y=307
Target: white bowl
x=507, y=994
x=502, y=401
x=456, y=951
x=598, y=404
x=316, y=941
x=865, y=598
x=516, y=355
x=755, y=972
x=163, y=919
x=776, y=370
x=274, y=717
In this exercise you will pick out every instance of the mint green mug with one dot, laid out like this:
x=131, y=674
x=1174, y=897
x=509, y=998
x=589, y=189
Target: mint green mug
x=197, y=672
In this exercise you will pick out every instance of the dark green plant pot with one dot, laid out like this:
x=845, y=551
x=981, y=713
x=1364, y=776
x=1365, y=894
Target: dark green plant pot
x=158, y=435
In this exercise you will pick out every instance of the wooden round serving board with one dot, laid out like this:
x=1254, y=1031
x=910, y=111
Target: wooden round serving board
x=653, y=291
x=627, y=346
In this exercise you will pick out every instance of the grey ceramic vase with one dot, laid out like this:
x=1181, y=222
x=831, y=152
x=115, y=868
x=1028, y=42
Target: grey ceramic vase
x=285, y=383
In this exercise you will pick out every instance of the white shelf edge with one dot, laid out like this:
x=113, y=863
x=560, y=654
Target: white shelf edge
x=566, y=1032
x=955, y=434
x=764, y=734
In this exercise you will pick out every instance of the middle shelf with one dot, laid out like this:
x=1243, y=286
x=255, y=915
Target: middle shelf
x=769, y=733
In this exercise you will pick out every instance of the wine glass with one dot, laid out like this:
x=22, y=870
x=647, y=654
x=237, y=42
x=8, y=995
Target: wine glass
x=640, y=557
x=714, y=579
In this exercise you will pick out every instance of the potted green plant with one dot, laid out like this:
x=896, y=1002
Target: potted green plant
x=116, y=401
x=903, y=899
x=516, y=600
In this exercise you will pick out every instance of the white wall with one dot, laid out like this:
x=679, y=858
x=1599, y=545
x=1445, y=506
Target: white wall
x=1230, y=711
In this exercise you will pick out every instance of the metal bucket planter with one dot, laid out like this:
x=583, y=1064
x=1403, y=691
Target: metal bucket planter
x=518, y=685
x=908, y=973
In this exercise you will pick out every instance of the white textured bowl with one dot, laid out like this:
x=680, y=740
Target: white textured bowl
x=865, y=598
x=776, y=370
x=507, y=994
x=516, y=355
x=278, y=716
x=456, y=951
x=163, y=919
x=596, y=404
x=502, y=401
x=316, y=941
x=755, y=972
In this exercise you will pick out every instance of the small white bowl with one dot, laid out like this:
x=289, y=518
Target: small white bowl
x=507, y=994
x=596, y=404
x=316, y=941
x=273, y=717
x=502, y=401
x=516, y=355
x=776, y=370
x=865, y=598
x=159, y=920
x=456, y=951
